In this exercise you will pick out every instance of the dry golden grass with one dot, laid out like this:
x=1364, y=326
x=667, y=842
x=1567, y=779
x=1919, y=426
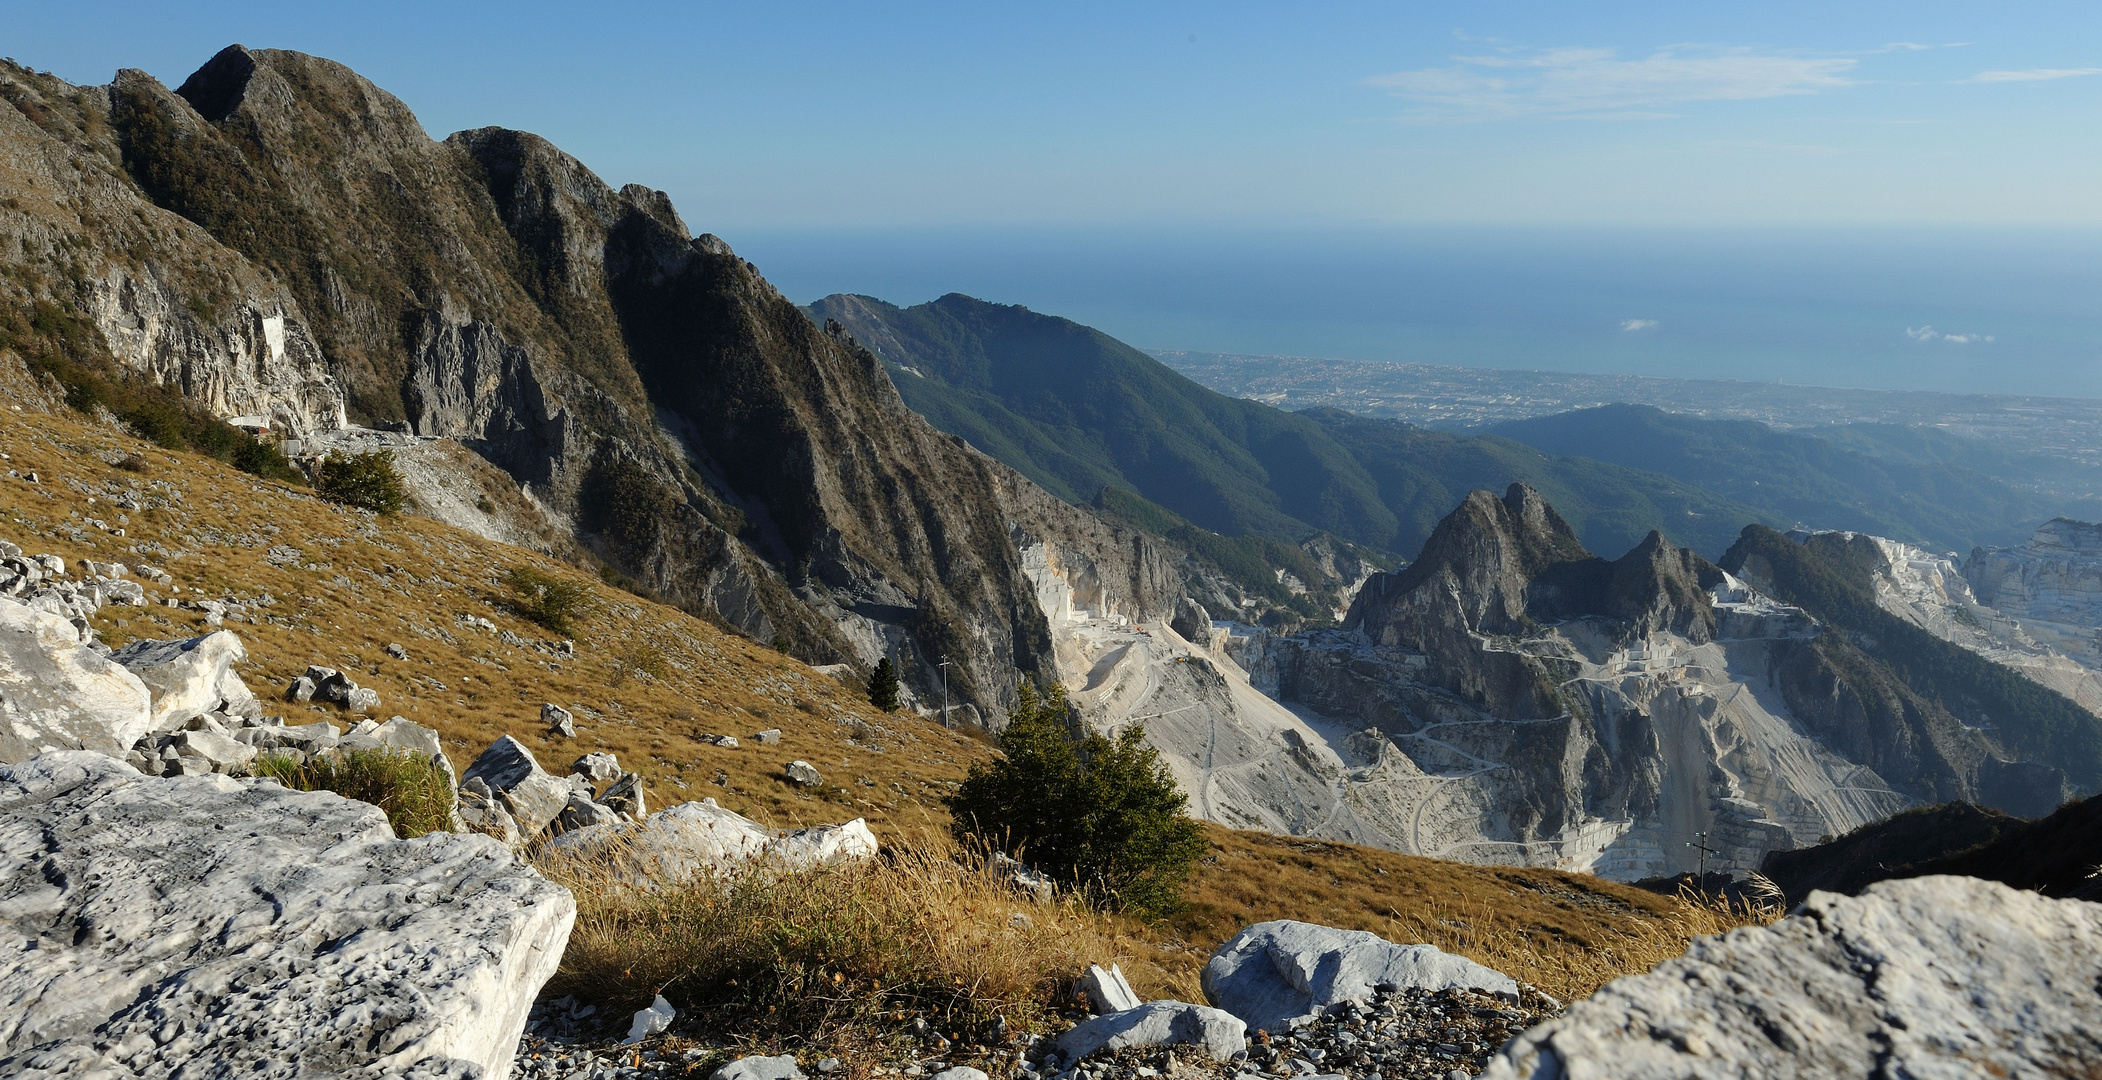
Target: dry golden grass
x=1567, y=934
x=822, y=955
x=359, y=582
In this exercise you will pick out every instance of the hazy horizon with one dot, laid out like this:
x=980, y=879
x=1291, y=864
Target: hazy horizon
x=1966, y=311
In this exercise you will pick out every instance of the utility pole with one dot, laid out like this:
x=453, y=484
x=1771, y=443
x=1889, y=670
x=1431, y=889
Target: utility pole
x=944, y=666
x=1700, y=843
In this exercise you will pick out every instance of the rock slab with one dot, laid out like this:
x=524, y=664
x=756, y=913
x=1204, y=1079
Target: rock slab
x=1278, y=975
x=57, y=693
x=216, y=927
x=1926, y=977
x=697, y=839
x=1157, y=1023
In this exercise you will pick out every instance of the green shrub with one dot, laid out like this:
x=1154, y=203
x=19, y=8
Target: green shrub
x=412, y=790
x=1103, y=815
x=883, y=686
x=367, y=481
x=547, y=600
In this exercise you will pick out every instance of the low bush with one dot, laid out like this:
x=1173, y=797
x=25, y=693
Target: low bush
x=1101, y=814
x=366, y=481
x=412, y=791
x=547, y=600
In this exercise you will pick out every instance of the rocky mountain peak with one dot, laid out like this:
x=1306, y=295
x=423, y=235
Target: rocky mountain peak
x=1484, y=556
x=215, y=89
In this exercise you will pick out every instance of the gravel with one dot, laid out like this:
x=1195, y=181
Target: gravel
x=1399, y=1035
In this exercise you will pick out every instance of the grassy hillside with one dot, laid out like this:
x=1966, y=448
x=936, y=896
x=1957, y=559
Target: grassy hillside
x=1793, y=478
x=321, y=584
x=1079, y=411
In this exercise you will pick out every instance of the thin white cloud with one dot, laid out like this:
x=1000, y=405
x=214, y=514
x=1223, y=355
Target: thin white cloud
x=1597, y=83
x=1632, y=325
x=2032, y=75
x=1928, y=333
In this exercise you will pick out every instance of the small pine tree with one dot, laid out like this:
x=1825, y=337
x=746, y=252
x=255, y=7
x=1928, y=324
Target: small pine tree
x=1103, y=814
x=883, y=686
x=368, y=481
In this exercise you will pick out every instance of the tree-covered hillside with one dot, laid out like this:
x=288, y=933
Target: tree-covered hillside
x=1079, y=412
x=1792, y=478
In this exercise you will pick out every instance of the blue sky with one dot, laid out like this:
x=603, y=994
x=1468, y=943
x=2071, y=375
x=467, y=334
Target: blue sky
x=795, y=116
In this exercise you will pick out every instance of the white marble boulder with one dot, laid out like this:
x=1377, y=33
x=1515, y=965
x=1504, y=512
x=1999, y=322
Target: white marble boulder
x=1220, y=1034
x=532, y=797
x=698, y=839
x=58, y=693
x=1927, y=977
x=190, y=676
x=1279, y=975
x=204, y=926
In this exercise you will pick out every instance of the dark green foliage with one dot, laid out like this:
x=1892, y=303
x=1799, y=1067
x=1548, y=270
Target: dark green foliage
x=1081, y=413
x=547, y=600
x=413, y=791
x=627, y=505
x=1796, y=478
x=1101, y=814
x=65, y=347
x=1829, y=581
x=366, y=481
x=883, y=686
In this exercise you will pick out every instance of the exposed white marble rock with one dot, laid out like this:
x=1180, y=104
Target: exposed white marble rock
x=651, y=1021
x=760, y=1067
x=1108, y=991
x=1158, y=1023
x=1927, y=977
x=693, y=839
x=2052, y=585
x=533, y=798
x=1278, y=975
x=213, y=927
x=57, y=693
x=1928, y=591
x=187, y=676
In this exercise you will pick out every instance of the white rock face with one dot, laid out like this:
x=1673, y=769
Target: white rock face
x=187, y=676
x=1928, y=977
x=228, y=928
x=58, y=694
x=1278, y=975
x=2052, y=585
x=1157, y=1023
x=1108, y=991
x=760, y=1067
x=694, y=839
x=1929, y=592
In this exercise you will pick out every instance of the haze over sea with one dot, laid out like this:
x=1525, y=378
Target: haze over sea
x=1984, y=310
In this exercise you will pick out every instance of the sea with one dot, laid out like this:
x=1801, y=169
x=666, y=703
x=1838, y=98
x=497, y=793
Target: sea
x=1969, y=310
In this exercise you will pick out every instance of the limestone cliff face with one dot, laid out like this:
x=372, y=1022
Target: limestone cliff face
x=2052, y=585
x=165, y=301
x=643, y=384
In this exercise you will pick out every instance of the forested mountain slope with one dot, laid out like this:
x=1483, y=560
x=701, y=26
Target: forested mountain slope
x=1078, y=411
x=1799, y=479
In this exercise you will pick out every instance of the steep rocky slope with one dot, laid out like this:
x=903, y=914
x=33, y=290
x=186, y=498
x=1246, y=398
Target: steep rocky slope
x=2051, y=585
x=1929, y=592
x=1511, y=698
x=279, y=237
x=1941, y=721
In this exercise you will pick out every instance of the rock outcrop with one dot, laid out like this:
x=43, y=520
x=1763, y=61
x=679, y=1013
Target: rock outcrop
x=697, y=839
x=156, y=923
x=1219, y=1034
x=59, y=693
x=1279, y=975
x=1939, y=976
x=2051, y=585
